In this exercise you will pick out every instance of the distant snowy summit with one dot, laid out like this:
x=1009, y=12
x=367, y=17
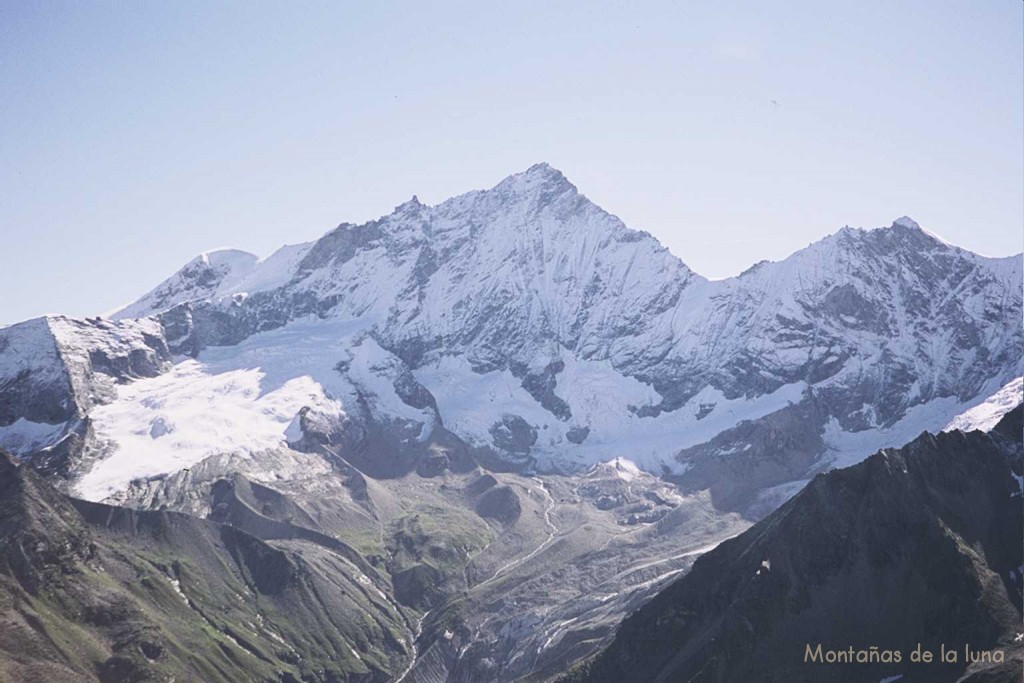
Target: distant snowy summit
x=522, y=327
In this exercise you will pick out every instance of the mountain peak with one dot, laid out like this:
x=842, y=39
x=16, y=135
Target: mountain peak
x=225, y=259
x=411, y=205
x=906, y=222
x=904, y=232
x=909, y=226
x=539, y=178
x=544, y=168
x=198, y=278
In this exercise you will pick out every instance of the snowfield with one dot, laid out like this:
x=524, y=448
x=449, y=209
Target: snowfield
x=171, y=422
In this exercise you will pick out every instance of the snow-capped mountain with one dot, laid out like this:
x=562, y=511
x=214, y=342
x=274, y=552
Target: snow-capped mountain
x=534, y=330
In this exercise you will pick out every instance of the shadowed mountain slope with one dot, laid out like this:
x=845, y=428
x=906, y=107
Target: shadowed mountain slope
x=95, y=592
x=920, y=544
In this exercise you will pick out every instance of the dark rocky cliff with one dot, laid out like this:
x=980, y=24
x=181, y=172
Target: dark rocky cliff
x=920, y=544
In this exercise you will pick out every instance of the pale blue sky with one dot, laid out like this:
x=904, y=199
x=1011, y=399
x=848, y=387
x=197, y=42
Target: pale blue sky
x=135, y=135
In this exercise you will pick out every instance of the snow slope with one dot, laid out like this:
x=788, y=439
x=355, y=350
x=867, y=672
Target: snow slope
x=987, y=414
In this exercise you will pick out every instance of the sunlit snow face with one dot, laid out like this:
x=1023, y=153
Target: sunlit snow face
x=173, y=421
x=986, y=415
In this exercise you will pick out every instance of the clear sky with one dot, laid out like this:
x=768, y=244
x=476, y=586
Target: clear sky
x=135, y=135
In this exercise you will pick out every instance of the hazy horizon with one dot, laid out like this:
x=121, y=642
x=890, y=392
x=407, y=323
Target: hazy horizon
x=731, y=134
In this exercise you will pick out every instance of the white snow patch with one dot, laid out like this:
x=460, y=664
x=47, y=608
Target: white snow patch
x=986, y=415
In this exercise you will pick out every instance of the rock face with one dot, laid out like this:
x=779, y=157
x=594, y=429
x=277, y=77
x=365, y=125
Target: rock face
x=55, y=370
x=541, y=333
x=916, y=545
